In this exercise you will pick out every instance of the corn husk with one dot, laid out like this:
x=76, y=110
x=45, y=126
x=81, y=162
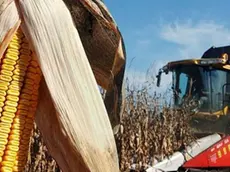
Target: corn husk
x=100, y=37
x=71, y=114
x=9, y=19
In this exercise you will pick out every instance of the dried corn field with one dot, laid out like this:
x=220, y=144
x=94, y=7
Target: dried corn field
x=145, y=134
x=39, y=158
x=148, y=134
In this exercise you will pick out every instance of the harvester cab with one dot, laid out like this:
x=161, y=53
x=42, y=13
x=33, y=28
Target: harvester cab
x=203, y=86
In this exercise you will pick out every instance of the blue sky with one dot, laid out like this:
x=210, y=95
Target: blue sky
x=160, y=31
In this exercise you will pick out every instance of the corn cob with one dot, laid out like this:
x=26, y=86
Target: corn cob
x=19, y=83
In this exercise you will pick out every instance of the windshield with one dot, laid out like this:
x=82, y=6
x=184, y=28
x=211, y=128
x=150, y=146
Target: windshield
x=202, y=85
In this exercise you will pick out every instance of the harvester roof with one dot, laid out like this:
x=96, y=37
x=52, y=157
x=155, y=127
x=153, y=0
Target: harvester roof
x=214, y=56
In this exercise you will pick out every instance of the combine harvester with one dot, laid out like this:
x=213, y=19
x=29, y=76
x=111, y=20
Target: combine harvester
x=203, y=87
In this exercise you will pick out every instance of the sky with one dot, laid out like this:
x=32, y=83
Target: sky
x=156, y=32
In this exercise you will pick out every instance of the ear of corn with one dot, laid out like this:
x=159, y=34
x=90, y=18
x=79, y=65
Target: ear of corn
x=19, y=84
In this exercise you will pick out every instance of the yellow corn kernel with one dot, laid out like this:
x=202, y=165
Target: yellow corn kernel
x=15, y=87
x=20, y=84
x=21, y=67
x=9, y=62
x=4, y=83
x=1, y=104
x=19, y=121
x=20, y=76
x=14, y=137
x=2, y=147
x=12, y=51
x=6, y=168
x=13, y=92
x=3, y=87
x=12, y=147
x=14, y=45
x=17, y=168
x=10, y=153
x=17, y=38
x=6, y=72
x=12, y=98
x=2, y=98
x=1, y=154
x=3, y=141
x=12, y=55
x=15, y=132
x=5, y=119
x=4, y=130
x=8, y=67
x=14, y=142
x=19, y=72
x=9, y=158
x=8, y=114
x=5, y=78
x=11, y=103
x=10, y=109
x=5, y=125
x=3, y=135
x=2, y=93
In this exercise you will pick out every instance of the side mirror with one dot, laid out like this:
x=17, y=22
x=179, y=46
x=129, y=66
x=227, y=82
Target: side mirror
x=159, y=78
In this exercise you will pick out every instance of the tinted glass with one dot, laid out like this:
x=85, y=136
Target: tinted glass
x=200, y=84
